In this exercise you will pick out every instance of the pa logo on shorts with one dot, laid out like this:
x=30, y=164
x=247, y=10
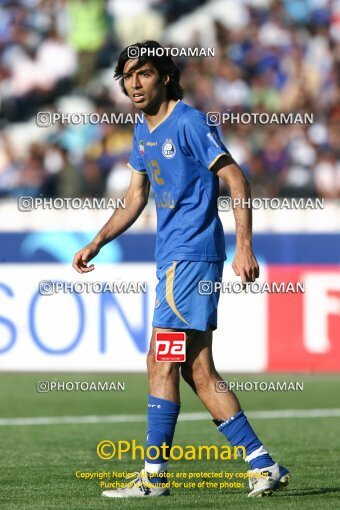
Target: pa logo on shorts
x=168, y=149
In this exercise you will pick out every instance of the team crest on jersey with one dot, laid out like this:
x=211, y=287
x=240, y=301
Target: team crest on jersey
x=141, y=147
x=168, y=149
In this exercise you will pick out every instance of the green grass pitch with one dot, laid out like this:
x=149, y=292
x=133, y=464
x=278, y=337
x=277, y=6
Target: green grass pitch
x=39, y=462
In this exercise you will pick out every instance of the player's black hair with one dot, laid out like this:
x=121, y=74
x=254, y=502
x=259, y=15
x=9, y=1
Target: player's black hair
x=164, y=65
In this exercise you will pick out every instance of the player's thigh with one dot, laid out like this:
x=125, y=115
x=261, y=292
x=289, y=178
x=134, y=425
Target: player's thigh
x=189, y=334
x=151, y=358
x=199, y=356
x=152, y=364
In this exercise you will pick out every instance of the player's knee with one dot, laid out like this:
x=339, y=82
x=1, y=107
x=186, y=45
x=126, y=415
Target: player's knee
x=163, y=369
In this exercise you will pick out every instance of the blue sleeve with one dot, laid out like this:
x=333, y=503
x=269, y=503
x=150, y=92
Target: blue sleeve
x=136, y=161
x=202, y=141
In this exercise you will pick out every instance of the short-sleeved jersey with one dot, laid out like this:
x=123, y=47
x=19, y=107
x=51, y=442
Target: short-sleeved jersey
x=177, y=155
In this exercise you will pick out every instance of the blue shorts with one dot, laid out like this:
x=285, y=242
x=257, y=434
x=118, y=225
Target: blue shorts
x=183, y=303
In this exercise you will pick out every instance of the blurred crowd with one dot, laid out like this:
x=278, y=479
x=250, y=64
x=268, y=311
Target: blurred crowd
x=284, y=56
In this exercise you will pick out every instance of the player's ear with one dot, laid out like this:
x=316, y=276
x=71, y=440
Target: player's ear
x=166, y=79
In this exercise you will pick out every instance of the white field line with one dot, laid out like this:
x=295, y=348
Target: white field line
x=123, y=418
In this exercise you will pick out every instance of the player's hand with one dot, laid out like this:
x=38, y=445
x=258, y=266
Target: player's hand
x=245, y=265
x=83, y=257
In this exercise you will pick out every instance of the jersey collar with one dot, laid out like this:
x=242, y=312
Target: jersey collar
x=164, y=119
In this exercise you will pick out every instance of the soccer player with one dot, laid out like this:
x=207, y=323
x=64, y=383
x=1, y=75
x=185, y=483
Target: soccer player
x=182, y=158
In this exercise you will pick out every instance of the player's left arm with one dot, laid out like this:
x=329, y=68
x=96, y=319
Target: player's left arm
x=244, y=263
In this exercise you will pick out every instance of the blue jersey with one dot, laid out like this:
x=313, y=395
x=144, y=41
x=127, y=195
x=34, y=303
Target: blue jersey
x=177, y=156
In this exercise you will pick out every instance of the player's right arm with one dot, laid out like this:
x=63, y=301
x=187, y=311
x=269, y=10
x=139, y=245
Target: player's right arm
x=135, y=201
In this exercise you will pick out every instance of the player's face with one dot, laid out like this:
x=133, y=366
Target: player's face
x=144, y=87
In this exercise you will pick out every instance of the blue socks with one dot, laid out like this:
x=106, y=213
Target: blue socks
x=239, y=433
x=162, y=419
